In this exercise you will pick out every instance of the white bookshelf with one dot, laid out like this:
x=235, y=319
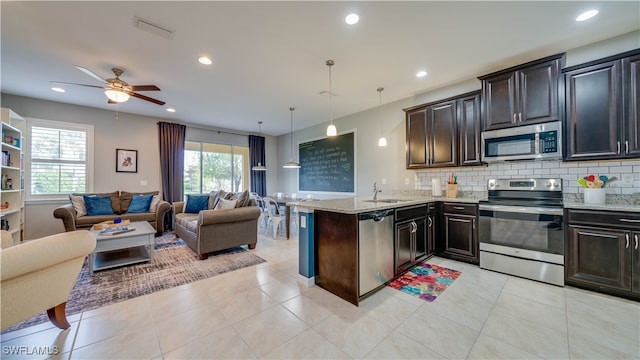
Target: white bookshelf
x=12, y=173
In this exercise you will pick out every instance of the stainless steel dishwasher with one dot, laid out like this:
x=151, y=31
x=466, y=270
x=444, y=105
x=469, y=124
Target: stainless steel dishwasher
x=375, y=249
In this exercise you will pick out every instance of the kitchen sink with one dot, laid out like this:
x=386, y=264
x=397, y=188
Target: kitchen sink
x=388, y=201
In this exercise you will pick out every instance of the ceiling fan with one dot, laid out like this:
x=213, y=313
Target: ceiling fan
x=117, y=90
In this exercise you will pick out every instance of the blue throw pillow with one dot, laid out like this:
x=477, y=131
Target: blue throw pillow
x=98, y=205
x=196, y=203
x=140, y=204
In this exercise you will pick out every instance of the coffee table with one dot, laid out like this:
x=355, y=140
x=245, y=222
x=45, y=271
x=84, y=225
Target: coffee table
x=122, y=249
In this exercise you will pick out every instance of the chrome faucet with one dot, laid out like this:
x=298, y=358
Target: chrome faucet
x=376, y=190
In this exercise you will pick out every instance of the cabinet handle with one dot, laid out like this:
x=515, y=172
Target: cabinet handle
x=618, y=147
x=520, y=117
x=514, y=118
x=459, y=207
x=474, y=223
x=630, y=220
x=626, y=147
x=431, y=223
x=635, y=237
x=414, y=227
x=626, y=236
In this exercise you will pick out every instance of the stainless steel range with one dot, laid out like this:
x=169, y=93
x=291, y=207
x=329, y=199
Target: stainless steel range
x=521, y=229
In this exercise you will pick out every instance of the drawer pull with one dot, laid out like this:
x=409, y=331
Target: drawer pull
x=626, y=147
x=636, y=238
x=618, y=147
x=626, y=236
x=459, y=207
x=630, y=220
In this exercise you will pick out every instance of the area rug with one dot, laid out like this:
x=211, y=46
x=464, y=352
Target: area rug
x=425, y=281
x=174, y=264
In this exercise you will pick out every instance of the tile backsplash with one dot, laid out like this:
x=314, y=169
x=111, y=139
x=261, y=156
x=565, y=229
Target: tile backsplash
x=474, y=178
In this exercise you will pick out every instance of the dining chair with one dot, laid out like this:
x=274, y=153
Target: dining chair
x=264, y=212
x=276, y=217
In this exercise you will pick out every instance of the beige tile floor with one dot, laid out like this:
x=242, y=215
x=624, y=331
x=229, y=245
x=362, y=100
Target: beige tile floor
x=267, y=312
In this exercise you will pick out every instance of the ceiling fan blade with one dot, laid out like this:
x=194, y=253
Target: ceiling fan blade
x=75, y=84
x=92, y=74
x=144, y=88
x=139, y=96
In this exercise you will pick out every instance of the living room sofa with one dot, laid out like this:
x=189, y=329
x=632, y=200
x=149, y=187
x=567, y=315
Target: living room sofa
x=74, y=215
x=212, y=229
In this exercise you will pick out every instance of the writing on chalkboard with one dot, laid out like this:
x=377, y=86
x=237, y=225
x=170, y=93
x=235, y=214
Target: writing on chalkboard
x=327, y=164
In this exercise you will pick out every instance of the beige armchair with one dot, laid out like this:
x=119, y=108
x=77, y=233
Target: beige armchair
x=39, y=274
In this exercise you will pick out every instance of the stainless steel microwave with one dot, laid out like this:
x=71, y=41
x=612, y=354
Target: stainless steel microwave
x=530, y=142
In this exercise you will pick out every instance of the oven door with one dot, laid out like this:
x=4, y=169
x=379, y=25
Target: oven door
x=536, y=233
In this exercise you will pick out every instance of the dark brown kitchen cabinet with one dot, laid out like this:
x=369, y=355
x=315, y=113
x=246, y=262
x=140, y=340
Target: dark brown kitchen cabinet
x=459, y=232
x=444, y=133
x=602, y=108
x=522, y=95
x=417, y=138
x=412, y=237
x=631, y=103
x=469, y=129
x=603, y=251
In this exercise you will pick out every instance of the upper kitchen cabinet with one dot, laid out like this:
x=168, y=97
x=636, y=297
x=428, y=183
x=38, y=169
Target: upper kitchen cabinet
x=416, y=138
x=469, y=129
x=444, y=133
x=522, y=95
x=601, y=108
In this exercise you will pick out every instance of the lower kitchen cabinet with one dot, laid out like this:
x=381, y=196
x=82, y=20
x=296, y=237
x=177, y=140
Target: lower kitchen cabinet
x=603, y=251
x=411, y=238
x=460, y=238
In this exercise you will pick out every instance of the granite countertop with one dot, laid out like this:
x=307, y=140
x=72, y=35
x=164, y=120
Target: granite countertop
x=358, y=205
x=614, y=202
x=604, y=207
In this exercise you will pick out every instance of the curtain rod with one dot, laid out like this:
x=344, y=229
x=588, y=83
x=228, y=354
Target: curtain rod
x=211, y=129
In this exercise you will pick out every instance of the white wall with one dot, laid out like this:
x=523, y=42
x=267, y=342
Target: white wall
x=375, y=164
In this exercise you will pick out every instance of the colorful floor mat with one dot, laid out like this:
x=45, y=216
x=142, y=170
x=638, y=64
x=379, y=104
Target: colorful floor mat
x=425, y=281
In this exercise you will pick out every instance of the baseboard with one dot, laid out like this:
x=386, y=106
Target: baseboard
x=309, y=282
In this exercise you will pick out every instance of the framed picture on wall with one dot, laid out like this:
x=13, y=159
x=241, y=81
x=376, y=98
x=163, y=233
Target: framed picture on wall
x=126, y=160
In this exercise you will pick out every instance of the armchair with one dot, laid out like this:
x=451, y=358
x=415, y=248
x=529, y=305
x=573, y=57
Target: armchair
x=39, y=274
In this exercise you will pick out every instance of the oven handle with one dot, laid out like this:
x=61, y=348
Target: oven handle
x=520, y=209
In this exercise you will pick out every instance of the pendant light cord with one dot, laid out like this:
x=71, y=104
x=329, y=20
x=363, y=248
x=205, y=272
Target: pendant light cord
x=291, y=134
x=380, y=93
x=330, y=94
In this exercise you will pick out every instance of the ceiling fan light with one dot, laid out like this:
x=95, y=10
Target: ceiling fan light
x=331, y=130
x=117, y=96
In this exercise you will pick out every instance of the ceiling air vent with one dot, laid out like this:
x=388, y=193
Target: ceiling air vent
x=147, y=26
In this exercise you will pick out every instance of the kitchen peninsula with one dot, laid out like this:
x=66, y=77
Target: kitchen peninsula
x=356, y=245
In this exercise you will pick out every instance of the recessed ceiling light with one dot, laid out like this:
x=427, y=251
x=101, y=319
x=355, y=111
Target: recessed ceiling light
x=58, y=89
x=205, y=60
x=421, y=73
x=587, y=15
x=352, y=19
x=171, y=110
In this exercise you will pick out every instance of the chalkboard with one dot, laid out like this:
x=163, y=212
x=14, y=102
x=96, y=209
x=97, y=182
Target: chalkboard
x=327, y=164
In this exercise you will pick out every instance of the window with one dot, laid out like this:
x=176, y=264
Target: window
x=59, y=156
x=212, y=167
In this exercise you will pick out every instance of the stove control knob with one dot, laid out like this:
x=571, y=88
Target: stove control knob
x=551, y=184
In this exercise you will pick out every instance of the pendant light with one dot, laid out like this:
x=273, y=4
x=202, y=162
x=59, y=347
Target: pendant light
x=259, y=167
x=331, y=130
x=382, y=142
x=291, y=164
